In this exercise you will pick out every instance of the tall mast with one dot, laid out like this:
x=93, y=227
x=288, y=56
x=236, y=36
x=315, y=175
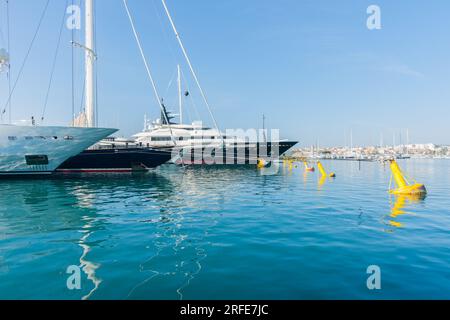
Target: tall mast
x=180, y=100
x=9, y=63
x=194, y=74
x=89, y=63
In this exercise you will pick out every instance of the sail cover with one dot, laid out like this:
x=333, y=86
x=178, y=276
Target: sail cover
x=80, y=120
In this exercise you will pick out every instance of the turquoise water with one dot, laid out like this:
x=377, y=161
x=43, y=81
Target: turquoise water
x=227, y=233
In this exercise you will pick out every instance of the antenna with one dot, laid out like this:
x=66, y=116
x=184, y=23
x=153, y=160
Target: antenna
x=264, y=127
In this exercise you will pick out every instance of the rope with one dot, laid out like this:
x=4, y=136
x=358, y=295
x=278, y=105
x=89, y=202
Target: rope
x=2, y=37
x=26, y=56
x=164, y=32
x=190, y=96
x=170, y=83
x=83, y=95
x=55, y=58
x=147, y=67
x=194, y=74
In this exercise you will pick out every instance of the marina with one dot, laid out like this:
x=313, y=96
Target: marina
x=205, y=201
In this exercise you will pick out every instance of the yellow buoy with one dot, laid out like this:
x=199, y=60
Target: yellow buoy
x=261, y=163
x=323, y=172
x=402, y=185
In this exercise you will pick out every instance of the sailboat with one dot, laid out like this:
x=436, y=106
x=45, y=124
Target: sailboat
x=198, y=144
x=106, y=156
x=37, y=150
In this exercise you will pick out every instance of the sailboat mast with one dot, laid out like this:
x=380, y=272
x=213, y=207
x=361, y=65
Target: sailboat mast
x=194, y=74
x=9, y=63
x=351, y=141
x=180, y=100
x=89, y=63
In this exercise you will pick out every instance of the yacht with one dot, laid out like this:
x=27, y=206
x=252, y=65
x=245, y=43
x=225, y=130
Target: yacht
x=107, y=156
x=195, y=144
x=40, y=150
x=31, y=150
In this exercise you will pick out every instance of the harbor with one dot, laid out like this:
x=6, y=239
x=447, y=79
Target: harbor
x=373, y=153
x=164, y=150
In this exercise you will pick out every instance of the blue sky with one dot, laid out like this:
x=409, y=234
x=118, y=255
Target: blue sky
x=312, y=67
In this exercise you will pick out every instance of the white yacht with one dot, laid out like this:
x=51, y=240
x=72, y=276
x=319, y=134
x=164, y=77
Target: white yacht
x=195, y=143
x=198, y=144
x=40, y=150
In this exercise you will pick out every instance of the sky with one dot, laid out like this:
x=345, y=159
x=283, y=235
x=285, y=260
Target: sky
x=313, y=68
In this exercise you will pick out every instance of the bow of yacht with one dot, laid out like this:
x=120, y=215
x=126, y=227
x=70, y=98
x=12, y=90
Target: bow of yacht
x=39, y=150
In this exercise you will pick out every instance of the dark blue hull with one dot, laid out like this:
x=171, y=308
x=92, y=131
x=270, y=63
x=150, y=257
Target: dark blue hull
x=115, y=160
x=246, y=154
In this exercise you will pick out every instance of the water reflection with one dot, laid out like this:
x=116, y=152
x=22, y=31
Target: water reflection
x=94, y=192
x=321, y=182
x=399, y=205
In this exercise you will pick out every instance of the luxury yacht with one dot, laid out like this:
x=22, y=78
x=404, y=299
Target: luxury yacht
x=39, y=150
x=106, y=156
x=112, y=158
x=198, y=144
x=195, y=143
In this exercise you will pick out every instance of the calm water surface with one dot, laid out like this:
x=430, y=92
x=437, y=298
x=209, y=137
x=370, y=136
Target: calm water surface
x=218, y=233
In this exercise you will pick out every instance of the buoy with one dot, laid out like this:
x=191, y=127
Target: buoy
x=323, y=172
x=262, y=163
x=307, y=168
x=403, y=187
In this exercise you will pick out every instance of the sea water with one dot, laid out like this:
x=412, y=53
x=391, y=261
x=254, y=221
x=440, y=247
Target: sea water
x=227, y=233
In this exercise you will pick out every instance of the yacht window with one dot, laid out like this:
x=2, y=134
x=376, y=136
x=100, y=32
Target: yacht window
x=161, y=139
x=12, y=138
x=36, y=160
x=28, y=138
